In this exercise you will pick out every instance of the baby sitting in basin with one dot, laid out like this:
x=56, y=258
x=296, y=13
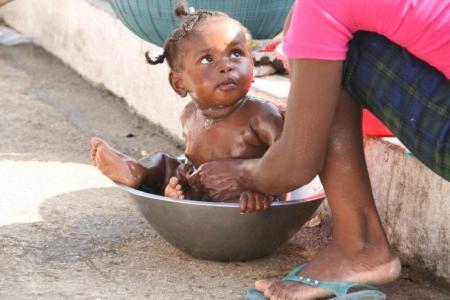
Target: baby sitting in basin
x=209, y=55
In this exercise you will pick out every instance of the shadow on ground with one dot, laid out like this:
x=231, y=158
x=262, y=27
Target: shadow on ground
x=93, y=243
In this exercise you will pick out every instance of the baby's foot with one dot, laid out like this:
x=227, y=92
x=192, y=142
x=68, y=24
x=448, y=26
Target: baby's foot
x=115, y=165
x=174, y=189
x=254, y=202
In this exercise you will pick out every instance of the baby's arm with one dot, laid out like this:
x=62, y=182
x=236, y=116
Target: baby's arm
x=267, y=125
x=182, y=185
x=173, y=188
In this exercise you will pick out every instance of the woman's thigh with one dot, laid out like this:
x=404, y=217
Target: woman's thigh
x=408, y=95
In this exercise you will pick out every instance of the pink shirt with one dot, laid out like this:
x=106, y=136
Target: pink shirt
x=321, y=29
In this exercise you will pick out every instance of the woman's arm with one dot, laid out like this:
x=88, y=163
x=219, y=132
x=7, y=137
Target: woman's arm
x=298, y=156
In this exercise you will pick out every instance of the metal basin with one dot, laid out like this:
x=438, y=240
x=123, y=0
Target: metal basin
x=217, y=231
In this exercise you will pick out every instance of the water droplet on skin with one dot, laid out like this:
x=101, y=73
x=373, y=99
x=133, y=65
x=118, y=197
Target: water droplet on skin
x=208, y=123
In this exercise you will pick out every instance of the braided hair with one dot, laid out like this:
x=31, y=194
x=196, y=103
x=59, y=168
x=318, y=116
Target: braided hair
x=190, y=19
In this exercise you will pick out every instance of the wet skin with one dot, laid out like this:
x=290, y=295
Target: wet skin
x=221, y=121
x=321, y=136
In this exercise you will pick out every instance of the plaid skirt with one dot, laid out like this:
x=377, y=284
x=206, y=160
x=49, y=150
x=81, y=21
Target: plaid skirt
x=409, y=96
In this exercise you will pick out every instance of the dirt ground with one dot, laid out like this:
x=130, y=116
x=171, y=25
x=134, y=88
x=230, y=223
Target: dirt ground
x=67, y=233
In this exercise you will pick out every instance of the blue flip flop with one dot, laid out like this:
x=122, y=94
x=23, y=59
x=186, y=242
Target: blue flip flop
x=338, y=288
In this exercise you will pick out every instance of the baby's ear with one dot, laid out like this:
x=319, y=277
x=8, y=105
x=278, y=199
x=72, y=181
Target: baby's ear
x=176, y=83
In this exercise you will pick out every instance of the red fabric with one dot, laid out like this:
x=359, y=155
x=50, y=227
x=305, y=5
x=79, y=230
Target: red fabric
x=271, y=47
x=374, y=127
x=371, y=125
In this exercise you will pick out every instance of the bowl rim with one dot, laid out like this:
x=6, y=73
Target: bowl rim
x=316, y=196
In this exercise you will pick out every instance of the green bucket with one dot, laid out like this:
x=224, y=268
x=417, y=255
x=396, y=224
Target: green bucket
x=153, y=20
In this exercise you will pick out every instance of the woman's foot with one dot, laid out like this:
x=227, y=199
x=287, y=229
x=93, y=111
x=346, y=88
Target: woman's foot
x=373, y=265
x=174, y=189
x=115, y=165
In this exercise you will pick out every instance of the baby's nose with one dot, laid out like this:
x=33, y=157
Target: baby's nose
x=225, y=67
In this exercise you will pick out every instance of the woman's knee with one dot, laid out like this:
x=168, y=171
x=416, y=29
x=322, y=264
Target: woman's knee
x=407, y=94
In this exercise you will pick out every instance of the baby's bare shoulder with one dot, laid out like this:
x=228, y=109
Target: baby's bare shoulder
x=263, y=108
x=266, y=120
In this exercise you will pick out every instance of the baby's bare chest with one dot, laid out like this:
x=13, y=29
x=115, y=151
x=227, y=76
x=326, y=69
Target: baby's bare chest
x=211, y=140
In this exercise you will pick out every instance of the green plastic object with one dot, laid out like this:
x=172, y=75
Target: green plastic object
x=153, y=20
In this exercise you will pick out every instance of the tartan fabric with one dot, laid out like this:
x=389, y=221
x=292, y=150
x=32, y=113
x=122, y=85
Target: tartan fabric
x=408, y=95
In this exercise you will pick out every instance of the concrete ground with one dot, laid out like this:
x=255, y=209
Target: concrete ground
x=67, y=233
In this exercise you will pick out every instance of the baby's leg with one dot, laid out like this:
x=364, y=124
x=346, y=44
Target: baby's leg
x=115, y=165
x=174, y=189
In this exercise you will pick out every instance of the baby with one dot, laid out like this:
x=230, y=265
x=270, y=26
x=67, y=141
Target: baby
x=209, y=56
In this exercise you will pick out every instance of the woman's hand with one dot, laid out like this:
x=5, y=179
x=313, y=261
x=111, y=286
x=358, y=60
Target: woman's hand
x=219, y=179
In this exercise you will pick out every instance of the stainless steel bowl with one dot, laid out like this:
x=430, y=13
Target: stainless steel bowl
x=217, y=231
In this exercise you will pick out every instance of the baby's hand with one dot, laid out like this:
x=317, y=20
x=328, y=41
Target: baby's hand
x=174, y=189
x=254, y=202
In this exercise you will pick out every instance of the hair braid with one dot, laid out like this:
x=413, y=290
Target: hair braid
x=190, y=19
x=158, y=60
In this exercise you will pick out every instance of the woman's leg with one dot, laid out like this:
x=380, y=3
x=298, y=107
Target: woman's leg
x=410, y=97
x=359, y=250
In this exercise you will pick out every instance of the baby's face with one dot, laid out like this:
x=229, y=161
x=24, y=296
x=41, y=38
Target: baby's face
x=217, y=66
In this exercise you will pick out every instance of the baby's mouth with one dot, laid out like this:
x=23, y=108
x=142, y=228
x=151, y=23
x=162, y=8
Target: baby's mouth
x=226, y=85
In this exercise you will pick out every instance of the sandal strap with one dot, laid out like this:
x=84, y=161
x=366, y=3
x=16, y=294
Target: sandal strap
x=339, y=288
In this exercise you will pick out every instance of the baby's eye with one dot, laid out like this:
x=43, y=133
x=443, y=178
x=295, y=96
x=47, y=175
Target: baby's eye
x=236, y=53
x=207, y=59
